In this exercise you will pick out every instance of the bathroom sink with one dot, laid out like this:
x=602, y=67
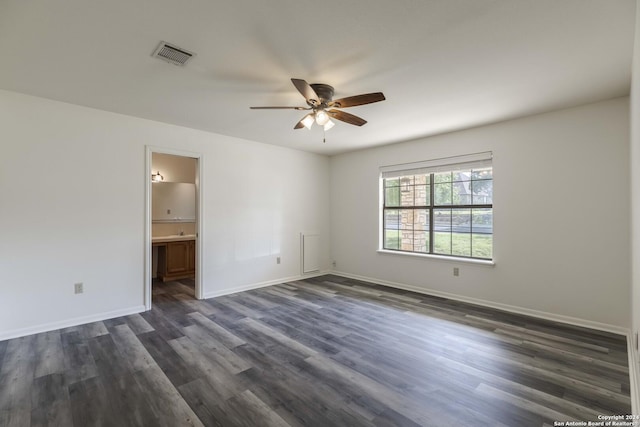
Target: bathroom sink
x=173, y=238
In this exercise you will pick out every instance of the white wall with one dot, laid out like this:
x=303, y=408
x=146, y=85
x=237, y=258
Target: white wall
x=72, y=183
x=561, y=215
x=635, y=176
x=635, y=208
x=65, y=223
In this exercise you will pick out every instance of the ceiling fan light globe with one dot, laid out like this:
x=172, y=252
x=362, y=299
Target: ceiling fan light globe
x=328, y=125
x=307, y=121
x=322, y=117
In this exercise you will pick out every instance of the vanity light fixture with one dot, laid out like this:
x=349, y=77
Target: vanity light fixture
x=156, y=177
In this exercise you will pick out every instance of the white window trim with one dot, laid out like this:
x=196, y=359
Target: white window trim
x=445, y=164
x=477, y=261
x=425, y=167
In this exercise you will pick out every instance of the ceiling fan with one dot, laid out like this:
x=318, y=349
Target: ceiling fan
x=319, y=97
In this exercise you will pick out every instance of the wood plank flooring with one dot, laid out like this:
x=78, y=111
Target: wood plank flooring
x=327, y=351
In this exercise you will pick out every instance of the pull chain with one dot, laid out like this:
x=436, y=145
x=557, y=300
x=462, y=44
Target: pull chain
x=324, y=136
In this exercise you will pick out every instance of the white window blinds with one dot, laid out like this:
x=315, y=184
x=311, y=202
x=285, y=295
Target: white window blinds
x=445, y=164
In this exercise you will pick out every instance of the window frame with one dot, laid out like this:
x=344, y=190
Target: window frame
x=432, y=207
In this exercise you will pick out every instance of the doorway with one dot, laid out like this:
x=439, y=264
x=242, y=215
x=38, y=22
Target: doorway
x=173, y=225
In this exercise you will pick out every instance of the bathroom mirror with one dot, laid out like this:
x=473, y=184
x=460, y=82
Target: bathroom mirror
x=173, y=202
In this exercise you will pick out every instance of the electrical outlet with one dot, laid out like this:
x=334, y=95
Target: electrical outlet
x=456, y=271
x=78, y=288
x=278, y=260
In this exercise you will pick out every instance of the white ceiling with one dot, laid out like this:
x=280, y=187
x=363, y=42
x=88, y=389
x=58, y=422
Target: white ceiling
x=442, y=64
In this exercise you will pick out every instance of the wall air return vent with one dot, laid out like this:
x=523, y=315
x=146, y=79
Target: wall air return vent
x=171, y=53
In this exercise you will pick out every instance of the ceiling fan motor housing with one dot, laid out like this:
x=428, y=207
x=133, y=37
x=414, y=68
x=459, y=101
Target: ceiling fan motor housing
x=324, y=92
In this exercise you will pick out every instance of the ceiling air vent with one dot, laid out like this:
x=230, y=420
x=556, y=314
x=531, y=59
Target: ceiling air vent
x=173, y=54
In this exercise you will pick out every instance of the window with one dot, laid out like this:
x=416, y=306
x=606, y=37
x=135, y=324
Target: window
x=441, y=207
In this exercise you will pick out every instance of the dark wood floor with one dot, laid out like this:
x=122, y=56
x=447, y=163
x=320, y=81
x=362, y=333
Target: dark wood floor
x=327, y=351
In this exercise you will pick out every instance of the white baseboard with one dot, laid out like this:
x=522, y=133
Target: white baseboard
x=504, y=307
x=21, y=332
x=633, y=355
x=634, y=381
x=257, y=285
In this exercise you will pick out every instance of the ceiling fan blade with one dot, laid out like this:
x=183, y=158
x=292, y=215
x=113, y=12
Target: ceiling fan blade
x=346, y=117
x=306, y=90
x=279, y=108
x=352, y=101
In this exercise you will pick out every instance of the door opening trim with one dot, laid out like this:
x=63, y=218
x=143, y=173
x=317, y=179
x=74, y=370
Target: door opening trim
x=148, y=280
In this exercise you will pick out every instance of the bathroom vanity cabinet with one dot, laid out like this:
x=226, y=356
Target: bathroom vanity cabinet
x=176, y=259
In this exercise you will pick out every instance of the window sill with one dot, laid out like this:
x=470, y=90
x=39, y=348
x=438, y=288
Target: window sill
x=440, y=257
